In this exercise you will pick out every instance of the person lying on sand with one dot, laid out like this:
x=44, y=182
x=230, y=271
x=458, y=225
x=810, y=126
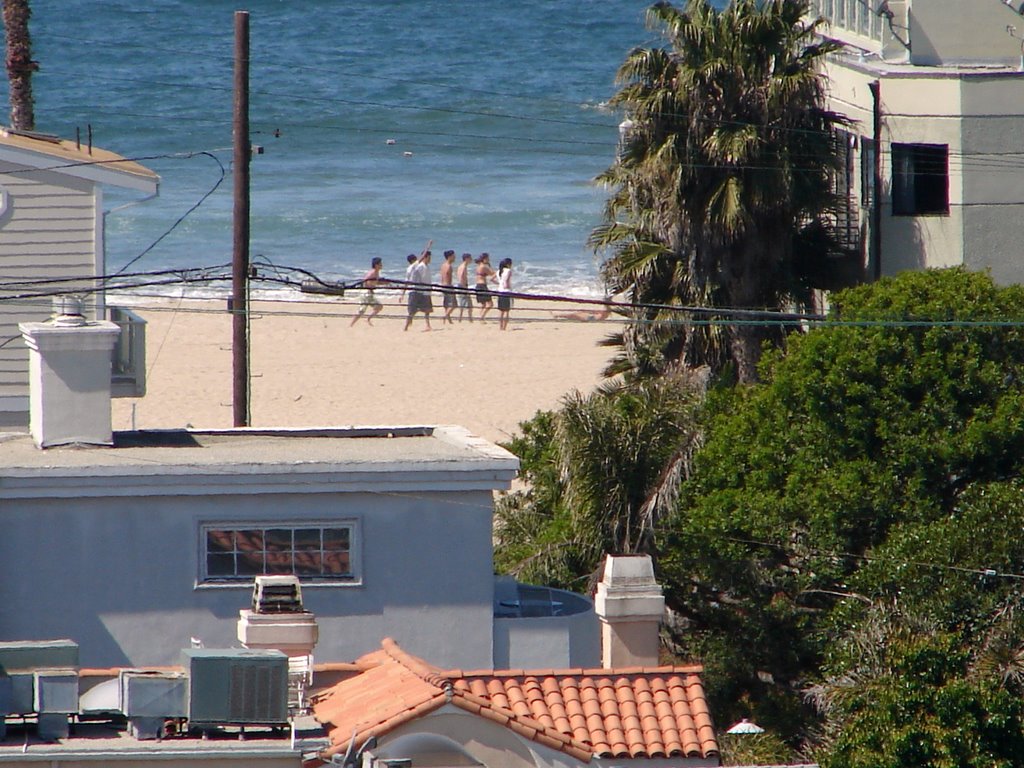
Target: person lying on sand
x=584, y=315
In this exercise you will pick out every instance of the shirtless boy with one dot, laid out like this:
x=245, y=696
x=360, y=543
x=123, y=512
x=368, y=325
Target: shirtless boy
x=370, y=302
x=462, y=277
x=446, y=280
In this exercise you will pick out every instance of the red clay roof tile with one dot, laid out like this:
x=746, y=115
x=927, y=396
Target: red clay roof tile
x=634, y=712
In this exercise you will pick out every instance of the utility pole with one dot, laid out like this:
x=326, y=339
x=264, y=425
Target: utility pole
x=240, y=252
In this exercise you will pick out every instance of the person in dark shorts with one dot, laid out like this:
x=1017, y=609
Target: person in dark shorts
x=419, y=290
x=462, y=277
x=504, y=291
x=449, y=299
x=484, y=274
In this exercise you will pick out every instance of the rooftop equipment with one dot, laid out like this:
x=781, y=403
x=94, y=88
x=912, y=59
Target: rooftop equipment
x=149, y=699
x=236, y=686
x=41, y=677
x=277, y=594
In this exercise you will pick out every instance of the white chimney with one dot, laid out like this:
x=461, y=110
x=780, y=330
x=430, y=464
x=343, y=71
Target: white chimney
x=629, y=604
x=69, y=378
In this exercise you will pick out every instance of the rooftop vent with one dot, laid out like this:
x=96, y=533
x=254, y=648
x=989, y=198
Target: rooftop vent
x=277, y=594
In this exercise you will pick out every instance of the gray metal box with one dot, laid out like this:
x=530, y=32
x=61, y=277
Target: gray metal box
x=236, y=686
x=153, y=694
x=56, y=691
x=23, y=693
x=6, y=696
x=51, y=727
x=29, y=655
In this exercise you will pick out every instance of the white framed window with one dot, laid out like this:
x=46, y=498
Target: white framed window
x=316, y=552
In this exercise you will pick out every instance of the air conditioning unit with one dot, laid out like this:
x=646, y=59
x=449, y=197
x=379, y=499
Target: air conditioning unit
x=236, y=686
x=19, y=662
x=29, y=655
x=149, y=699
x=56, y=699
x=56, y=691
x=128, y=364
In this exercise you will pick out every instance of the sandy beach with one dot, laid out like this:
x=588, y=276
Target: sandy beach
x=310, y=368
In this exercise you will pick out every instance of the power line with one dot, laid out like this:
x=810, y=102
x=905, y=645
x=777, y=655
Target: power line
x=183, y=216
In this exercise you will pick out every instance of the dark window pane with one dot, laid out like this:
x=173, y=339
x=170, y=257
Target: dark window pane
x=279, y=563
x=250, y=563
x=278, y=539
x=219, y=541
x=336, y=539
x=336, y=564
x=249, y=541
x=220, y=565
x=920, y=179
x=307, y=539
x=308, y=564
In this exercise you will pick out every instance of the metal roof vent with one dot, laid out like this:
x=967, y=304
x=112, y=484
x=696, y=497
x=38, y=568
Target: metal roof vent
x=277, y=594
x=68, y=311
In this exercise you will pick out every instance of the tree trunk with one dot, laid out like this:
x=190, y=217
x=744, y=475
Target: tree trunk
x=19, y=64
x=752, y=268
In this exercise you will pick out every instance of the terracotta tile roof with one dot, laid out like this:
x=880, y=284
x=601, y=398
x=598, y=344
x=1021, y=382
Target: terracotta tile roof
x=623, y=713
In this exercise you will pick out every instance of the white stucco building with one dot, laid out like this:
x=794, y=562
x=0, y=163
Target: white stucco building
x=51, y=226
x=934, y=90
x=133, y=543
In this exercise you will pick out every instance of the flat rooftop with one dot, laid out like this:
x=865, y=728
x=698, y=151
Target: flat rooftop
x=262, y=455
x=98, y=739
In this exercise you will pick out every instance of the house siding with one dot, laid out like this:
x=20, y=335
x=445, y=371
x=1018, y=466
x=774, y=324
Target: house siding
x=48, y=231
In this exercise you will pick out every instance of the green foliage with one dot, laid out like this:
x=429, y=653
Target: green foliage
x=908, y=693
x=888, y=439
x=851, y=526
x=754, y=749
x=599, y=473
x=721, y=193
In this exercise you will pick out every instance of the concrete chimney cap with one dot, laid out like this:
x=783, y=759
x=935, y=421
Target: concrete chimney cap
x=628, y=570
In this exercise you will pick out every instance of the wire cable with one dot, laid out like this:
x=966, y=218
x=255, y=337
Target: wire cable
x=186, y=214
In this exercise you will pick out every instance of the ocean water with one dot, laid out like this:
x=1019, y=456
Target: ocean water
x=385, y=123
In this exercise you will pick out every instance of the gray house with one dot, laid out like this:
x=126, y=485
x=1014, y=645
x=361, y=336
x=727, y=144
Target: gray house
x=132, y=544
x=51, y=226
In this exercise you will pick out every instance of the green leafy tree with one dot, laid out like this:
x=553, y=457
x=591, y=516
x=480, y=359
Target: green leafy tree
x=878, y=461
x=721, y=193
x=908, y=692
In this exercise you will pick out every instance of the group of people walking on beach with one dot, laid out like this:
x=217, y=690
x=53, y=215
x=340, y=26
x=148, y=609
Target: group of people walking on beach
x=417, y=288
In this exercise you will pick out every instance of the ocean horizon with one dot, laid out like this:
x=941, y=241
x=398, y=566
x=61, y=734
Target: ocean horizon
x=477, y=125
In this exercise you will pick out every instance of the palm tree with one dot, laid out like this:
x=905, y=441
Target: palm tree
x=19, y=63
x=602, y=472
x=722, y=187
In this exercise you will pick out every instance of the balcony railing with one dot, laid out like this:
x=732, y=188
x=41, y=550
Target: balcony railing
x=128, y=365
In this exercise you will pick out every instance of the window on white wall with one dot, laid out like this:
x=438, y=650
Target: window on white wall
x=5, y=201
x=314, y=552
x=920, y=179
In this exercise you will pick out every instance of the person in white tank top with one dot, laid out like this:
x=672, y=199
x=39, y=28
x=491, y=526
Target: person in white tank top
x=503, y=291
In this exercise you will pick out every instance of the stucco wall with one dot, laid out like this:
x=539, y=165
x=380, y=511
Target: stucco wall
x=956, y=31
x=977, y=116
x=548, y=641
x=493, y=745
x=118, y=575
